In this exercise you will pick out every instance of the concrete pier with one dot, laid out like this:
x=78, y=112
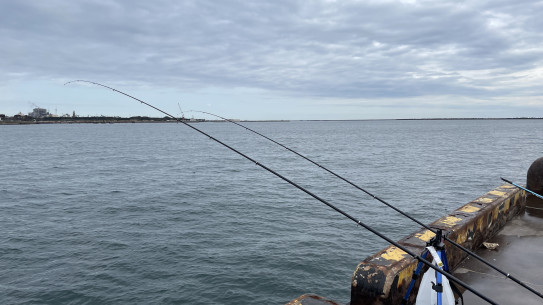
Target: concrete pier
x=520, y=252
x=498, y=217
x=383, y=278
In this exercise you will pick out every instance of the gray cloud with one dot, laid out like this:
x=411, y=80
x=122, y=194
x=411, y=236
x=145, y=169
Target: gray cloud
x=345, y=49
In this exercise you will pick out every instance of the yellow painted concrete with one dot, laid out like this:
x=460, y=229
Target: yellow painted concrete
x=425, y=236
x=394, y=254
x=461, y=237
x=469, y=209
x=450, y=220
x=497, y=193
x=480, y=223
x=406, y=273
x=484, y=200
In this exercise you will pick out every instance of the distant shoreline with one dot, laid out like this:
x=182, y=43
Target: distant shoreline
x=114, y=121
x=161, y=120
x=423, y=119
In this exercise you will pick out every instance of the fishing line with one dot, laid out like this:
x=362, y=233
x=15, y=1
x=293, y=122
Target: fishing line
x=507, y=275
x=358, y=222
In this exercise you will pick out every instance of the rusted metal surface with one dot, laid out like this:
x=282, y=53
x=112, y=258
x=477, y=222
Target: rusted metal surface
x=311, y=299
x=383, y=278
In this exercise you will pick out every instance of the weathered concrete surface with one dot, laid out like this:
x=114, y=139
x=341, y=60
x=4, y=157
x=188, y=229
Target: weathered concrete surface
x=520, y=252
x=311, y=299
x=383, y=278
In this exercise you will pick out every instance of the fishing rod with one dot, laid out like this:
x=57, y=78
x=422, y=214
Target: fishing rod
x=471, y=253
x=358, y=222
x=522, y=188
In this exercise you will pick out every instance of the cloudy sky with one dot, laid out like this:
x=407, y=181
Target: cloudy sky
x=281, y=59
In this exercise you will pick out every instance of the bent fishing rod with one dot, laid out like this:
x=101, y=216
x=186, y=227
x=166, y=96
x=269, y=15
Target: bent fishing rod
x=522, y=188
x=358, y=222
x=471, y=253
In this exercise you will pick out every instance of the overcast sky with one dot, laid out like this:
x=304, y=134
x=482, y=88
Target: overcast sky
x=280, y=59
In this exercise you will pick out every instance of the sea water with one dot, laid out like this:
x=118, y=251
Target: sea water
x=160, y=214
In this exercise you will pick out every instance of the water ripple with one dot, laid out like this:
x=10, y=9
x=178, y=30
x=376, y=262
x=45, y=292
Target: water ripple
x=155, y=213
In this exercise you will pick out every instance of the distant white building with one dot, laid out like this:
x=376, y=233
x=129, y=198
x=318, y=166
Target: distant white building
x=39, y=113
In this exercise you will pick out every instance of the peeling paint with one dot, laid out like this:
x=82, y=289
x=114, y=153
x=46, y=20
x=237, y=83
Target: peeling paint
x=461, y=237
x=393, y=254
x=406, y=273
x=470, y=234
x=497, y=193
x=480, y=223
x=483, y=200
x=469, y=209
x=425, y=236
x=356, y=272
x=450, y=220
x=466, y=234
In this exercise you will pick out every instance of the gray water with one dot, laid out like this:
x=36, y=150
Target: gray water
x=159, y=214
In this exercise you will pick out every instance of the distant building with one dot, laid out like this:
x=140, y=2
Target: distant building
x=2, y=117
x=39, y=113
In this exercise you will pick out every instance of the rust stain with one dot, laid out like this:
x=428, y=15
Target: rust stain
x=361, y=265
x=480, y=223
x=462, y=236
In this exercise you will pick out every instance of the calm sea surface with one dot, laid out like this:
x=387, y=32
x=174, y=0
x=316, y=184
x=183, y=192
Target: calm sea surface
x=159, y=214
